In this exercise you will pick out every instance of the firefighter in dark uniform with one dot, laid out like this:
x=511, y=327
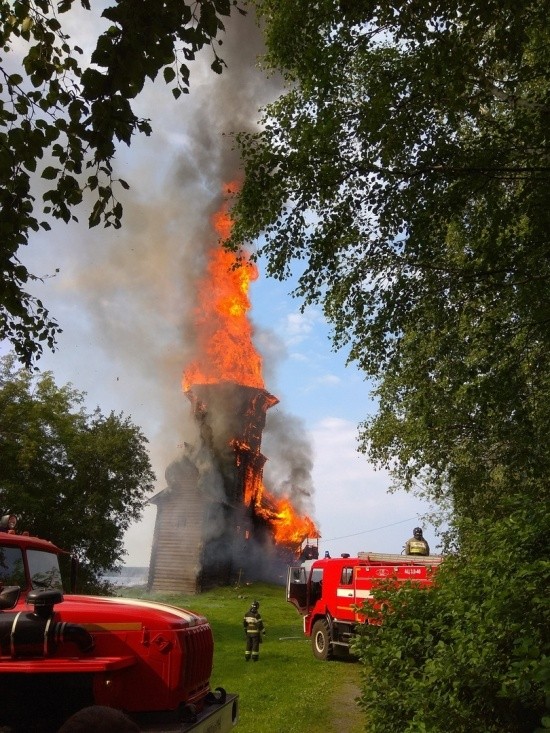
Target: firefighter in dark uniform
x=254, y=630
x=417, y=545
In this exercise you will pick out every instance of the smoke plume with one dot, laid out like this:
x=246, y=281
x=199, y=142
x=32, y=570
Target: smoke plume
x=138, y=284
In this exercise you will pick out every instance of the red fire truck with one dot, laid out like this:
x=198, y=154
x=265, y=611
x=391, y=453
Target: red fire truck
x=60, y=653
x=329, y=592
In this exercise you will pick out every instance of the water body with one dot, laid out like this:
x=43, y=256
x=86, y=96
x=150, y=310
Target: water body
x=129, y=576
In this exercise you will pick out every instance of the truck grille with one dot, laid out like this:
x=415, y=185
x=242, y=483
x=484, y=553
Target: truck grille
x=198, y=649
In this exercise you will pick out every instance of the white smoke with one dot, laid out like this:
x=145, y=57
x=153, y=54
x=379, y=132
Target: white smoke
x=136, y=286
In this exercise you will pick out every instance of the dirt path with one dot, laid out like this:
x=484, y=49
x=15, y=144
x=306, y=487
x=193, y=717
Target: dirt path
x=346, y=715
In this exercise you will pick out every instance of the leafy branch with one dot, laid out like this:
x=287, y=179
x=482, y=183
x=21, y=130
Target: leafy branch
x=72, y=118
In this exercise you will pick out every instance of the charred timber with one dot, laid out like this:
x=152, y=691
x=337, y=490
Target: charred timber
x=231, y=419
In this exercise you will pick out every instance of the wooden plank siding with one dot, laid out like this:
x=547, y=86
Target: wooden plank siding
x=178, y=536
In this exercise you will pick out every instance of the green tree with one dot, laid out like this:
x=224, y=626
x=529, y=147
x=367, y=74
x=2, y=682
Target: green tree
x=404, y=177
x=74, y=478
x=61, y=116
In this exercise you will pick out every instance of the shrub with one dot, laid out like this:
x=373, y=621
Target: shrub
x=473, y=653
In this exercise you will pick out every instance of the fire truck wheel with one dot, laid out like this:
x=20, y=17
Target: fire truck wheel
x=320, y=640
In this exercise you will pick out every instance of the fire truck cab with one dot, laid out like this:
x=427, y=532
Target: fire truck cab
x=330, y=592
x=63, y=652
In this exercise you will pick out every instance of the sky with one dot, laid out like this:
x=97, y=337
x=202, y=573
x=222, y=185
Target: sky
x=124, y=299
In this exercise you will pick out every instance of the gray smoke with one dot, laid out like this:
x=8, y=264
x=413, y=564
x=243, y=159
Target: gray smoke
x=136, y=286
x=290, y=459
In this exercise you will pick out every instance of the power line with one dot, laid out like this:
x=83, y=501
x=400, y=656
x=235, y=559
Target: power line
x=366, y=531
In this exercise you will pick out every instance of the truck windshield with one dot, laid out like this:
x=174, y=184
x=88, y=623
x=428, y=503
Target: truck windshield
x=44, y=570
x=12, y=569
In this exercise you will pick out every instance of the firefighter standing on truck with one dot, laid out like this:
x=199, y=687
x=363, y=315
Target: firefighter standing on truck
x=254, y=630
x=417, y=545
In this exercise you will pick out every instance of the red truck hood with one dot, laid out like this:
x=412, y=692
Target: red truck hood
x=86, y=609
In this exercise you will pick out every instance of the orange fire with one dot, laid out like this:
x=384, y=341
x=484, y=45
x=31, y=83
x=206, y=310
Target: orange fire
x=288, y=527
x=226, y=353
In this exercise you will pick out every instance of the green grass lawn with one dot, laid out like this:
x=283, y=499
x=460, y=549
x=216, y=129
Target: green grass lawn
x=287, y=690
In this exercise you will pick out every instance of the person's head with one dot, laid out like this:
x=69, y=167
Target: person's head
x=255, y=606
x=417, y=533
x=99, y=719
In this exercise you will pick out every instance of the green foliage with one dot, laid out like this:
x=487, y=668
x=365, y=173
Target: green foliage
x=288, y=689
x=78, y=480
x=404, y=176
x=61, y=119
x=472, y=655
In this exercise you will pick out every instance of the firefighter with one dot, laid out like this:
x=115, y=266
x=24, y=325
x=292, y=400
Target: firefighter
x=417, y=545
x=254, y=630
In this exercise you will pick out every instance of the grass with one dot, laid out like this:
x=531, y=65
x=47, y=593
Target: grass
x=288, y=690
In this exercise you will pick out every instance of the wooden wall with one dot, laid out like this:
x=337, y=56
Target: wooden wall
x=177, y=540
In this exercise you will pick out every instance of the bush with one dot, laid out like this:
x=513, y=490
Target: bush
x=473, y=653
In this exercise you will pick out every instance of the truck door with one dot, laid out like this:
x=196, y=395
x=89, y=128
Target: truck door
x=296, y=588
x=345, y=594
x=364, y=579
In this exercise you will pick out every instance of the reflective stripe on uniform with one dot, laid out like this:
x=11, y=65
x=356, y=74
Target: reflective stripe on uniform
x=417, y=547
x=253, y=624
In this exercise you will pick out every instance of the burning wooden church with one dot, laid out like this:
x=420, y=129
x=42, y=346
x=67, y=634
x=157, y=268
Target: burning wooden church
x=215, y=519
x=208, y=530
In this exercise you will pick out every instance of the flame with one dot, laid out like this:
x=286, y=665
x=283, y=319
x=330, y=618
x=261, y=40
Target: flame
x=288, y=527
x=225, y=351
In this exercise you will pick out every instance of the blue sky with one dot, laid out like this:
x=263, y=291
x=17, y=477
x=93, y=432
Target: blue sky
x=123, y=300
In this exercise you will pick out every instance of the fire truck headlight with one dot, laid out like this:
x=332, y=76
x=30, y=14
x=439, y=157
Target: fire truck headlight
x=8, y=522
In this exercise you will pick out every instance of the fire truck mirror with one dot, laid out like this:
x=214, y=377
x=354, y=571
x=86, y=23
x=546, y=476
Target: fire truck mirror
x=9, y=595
